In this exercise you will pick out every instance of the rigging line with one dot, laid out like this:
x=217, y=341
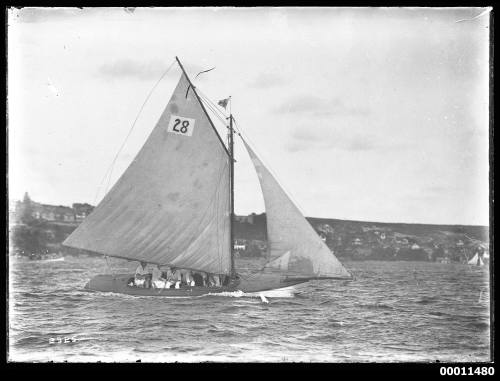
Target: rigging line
x=215, y=210
x=213, y=103
x=218, y=114
x=216, y=205
x=215, y=114
x=214, y=106
x=246, y=139
x=110, y=170
x=214, y=110
x=221, y=119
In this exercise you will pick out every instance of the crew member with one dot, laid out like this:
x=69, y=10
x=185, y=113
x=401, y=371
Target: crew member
x=173, y=277
x=141, y=275
x=157, y=279
x=187, y=277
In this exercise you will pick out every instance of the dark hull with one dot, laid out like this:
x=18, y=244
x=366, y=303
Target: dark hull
x=119, y=284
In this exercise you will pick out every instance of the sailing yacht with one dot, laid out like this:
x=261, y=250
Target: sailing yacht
x=479, y=259
x=174, y=207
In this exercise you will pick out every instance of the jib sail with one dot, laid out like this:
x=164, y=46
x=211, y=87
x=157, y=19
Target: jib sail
x=295, y=249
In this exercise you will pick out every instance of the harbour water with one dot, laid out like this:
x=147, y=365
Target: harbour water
x=392, y=312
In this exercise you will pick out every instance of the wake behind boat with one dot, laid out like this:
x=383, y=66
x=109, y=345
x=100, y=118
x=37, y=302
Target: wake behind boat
x=59, y=259
x=174, y=207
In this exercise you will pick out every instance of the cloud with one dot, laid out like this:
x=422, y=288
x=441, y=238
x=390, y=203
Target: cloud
x=307, y=139
x=38, y=15
x=440, y=189
x=41, y=15
x=143, y=70
x=267, y=80
x=310, y=104
x=361, y=144
x=127, y=68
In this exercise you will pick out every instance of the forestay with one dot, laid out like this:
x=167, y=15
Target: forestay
x=171, y=205
x=295, y=249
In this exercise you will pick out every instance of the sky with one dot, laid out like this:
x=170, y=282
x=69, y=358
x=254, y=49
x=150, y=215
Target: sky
x=373, y=114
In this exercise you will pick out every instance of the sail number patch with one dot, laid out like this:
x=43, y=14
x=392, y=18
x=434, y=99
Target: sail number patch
x=180, y=125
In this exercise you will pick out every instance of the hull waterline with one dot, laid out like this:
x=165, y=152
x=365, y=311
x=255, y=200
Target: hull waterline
x=119, y=284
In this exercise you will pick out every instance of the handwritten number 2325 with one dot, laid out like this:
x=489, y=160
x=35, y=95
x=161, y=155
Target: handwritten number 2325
x=184, y=126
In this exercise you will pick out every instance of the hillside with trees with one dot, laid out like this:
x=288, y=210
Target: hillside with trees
x=38, y=228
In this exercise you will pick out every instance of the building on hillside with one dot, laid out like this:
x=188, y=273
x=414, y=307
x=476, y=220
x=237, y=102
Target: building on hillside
x=81, y=211
x=239, y=245
x=357, y=241
x=245, y=219
x=403, y=241
x=52, y=213
x=63, y=213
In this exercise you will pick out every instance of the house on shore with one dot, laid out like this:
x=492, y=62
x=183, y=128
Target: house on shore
x=357, y=241
x=51, y=213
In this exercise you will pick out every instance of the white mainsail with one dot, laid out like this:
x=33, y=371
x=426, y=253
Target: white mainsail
x=171, y=205
x=295, y=249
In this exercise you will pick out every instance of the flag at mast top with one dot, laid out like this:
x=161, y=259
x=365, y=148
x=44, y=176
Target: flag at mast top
x=223, y=102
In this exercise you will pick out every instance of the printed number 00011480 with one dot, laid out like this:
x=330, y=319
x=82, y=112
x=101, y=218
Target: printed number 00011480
x=181, y=125
x=466, y=371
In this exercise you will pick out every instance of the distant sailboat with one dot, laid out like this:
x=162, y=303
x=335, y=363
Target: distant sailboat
x=479, y=260
x=174, y=206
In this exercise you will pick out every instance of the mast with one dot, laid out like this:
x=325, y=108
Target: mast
x=231, y=185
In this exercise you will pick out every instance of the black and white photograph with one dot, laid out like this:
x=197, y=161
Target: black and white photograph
x=249, y=185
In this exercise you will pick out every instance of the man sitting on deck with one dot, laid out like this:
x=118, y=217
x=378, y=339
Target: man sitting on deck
x=188, y=278
x=173, y=276
x=157, y=280
x=200, y=278
x=142, y=276
x=214, y=280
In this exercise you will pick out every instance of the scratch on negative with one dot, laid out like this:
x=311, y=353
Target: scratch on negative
x=475, y=17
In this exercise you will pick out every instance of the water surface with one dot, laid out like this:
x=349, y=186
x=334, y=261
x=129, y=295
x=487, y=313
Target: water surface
x=392, y=312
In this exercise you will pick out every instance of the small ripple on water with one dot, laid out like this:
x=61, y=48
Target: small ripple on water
x=428, y=300
x=376, y=306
